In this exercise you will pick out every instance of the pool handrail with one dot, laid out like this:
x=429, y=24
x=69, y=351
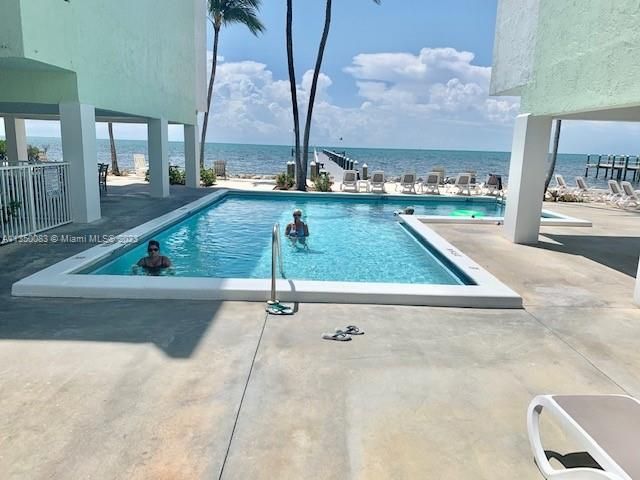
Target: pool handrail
x=276, y=256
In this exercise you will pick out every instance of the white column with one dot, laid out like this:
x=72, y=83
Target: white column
x=636, y=293
x=16, y=135
x=157, y=136
x=191, y=161
x=529, y=153
x=78, y=128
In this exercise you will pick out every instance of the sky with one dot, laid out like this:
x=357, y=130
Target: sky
x=403, y=74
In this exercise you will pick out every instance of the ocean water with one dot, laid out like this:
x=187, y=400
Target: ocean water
x=272, y=159
x=351, y=239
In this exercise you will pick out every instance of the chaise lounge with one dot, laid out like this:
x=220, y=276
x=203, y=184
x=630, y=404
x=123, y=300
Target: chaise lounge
x=607, y=427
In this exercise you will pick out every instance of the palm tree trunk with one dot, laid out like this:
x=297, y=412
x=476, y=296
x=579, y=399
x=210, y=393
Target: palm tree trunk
x=216, y=35
x=114, y=155
x=301, y=181
x=314, y=88
x=554, y=155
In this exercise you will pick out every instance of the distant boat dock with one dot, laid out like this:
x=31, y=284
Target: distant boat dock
x=336, y=163
x=614, y=166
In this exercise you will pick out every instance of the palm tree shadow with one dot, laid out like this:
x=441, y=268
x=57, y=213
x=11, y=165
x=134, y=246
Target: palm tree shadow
x=617, y=253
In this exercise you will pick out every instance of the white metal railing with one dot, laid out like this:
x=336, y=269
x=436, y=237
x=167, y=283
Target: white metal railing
x=276, y=257
x=33, y=198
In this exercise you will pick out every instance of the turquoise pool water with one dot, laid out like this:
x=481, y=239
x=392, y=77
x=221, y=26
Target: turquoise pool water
x=351, y=239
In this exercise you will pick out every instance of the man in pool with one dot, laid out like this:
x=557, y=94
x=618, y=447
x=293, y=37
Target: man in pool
x=297, y=231
x=153, y=263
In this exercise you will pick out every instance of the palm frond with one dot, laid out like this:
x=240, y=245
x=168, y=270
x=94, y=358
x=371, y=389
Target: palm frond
x=243, y=12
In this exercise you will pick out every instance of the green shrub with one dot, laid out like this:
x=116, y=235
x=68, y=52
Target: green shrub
x=176, y=176
x=284, y=181
x=3, y=149
x=208, y=176
x=323, y=183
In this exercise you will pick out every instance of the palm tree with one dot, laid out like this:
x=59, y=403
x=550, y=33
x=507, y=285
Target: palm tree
x=301, y=177
x=114, y=155
x=312, y=93
x=554, y=155
x=223, y=13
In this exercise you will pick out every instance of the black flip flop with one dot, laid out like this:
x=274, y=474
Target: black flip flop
x=350, y=330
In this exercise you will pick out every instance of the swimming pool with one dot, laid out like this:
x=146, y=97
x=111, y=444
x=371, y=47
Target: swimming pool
x=358, y=252
x=351, y=239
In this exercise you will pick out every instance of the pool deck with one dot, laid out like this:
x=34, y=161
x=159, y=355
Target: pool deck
x=160, y=389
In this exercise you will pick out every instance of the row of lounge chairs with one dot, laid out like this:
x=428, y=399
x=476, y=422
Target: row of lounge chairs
x=433, y=183
x=619, y=194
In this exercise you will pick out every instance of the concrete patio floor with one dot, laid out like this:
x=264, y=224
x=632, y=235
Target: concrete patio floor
x=114, y=389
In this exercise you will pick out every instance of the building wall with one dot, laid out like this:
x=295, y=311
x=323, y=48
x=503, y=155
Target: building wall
x=568, y=56
x=135, y=57
x=514, y=45
x=586, y=57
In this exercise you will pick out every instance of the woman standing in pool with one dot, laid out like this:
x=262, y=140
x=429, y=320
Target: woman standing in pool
x=297, y=231
x=153, y=263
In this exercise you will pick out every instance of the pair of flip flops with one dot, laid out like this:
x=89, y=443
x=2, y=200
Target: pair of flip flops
x=277, y=308
x=343, y=334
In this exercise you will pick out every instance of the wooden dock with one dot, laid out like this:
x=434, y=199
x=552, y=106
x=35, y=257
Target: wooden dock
x=614, y=166
x=334, y=170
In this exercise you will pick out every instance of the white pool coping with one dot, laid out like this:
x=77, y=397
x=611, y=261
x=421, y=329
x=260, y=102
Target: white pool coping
x=554, y=219
x=59, y=280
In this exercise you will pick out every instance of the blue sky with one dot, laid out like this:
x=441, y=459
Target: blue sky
x=369, y=96
x=406, y=73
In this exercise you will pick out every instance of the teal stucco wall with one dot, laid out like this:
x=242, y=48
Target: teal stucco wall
x=134, y=57
x=586, y=57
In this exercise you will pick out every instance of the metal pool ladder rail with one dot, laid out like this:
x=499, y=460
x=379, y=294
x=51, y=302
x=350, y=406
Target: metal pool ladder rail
x=276, y=256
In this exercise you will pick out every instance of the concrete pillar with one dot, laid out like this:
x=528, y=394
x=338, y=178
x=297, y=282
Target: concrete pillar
x=78, y=128
x=191, y=160
x=16, y=135
x=527, y=167
x=157, y=136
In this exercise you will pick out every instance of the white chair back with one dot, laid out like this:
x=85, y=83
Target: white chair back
x=560, y=181
x=627, y=188
x=614, y=187
x=377, y=177
x=463, y=180
x=433, y=178
x=139, y=163
x=349, y=176
x=408, y=178
x=582, y=184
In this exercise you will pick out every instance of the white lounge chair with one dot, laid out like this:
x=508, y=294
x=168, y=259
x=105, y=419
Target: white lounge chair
x=561, y=185
x=615, y=192
x=441, y=171
x=492, y=186
x=376, y=184
x=407, y=183
x=220, y=168
x=431, y=184
x=462, y=186
x=587, y=192
x=349, y=181
x=630, y=198
x=140, y=164
x=607, y=427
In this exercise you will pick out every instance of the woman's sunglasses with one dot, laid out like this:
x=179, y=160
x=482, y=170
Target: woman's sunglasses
x=153, y=249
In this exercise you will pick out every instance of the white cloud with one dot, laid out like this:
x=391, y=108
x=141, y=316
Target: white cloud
x=428, y=99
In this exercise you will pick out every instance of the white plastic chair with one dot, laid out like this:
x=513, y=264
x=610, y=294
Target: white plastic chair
x=462, y=186
x=586, y=192
x=607, y=427
x=561, y=185
x=630, y=198
x=431, y=183
x=407, y=183
x=615, y=192
x=349, y=181
x=376, y=184
x=140, y=164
